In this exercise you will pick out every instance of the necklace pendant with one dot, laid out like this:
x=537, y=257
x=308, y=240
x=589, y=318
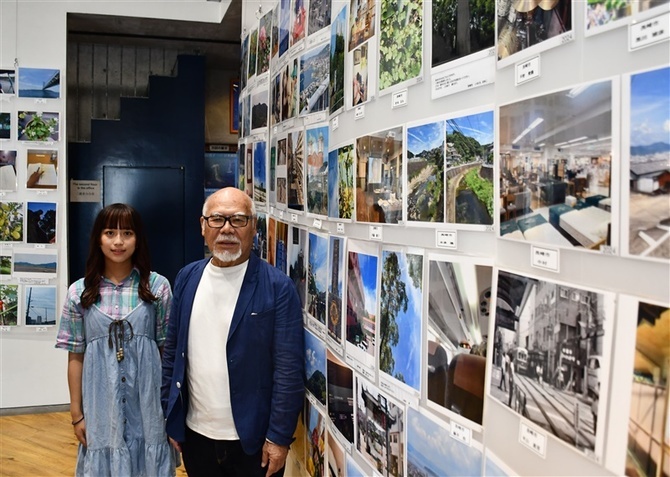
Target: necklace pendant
x=119, y=355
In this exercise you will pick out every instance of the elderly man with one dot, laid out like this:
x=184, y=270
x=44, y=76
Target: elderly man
x=232, y=363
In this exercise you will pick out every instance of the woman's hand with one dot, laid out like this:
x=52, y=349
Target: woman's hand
x=80, y=431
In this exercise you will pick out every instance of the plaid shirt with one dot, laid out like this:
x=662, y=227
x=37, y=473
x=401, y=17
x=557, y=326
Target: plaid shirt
x=115, y=301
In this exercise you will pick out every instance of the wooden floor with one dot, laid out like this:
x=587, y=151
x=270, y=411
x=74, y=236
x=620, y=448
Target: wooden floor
x=40, y=445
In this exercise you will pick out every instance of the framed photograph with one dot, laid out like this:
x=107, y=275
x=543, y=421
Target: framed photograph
x=340, y=396
x=317, y=170
x=317, y=271
x=39, y=305
x=315, y=367
x=38, y=126
x=8, y=181
x=7, y=81
x=39, y=83
x=41, y=222
x=9, y=303
x=35, y=263
x=234, y=106
x=42, y=170
x=314, y=80
x=11, y=218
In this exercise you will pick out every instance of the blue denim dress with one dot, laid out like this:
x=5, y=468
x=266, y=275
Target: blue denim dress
x=125, y=429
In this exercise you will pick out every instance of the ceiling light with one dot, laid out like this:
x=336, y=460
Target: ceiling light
x=577, y=139
x=532, y=126
x=574, y=92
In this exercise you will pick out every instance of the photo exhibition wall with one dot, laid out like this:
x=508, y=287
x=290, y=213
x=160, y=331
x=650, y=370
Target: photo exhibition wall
x=473, y=202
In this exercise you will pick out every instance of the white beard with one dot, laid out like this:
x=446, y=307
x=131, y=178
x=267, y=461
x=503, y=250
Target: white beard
x=227, y=257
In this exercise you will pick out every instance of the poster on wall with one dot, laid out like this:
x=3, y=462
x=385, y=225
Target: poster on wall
x=337, y=55
x=400, y=45
x=362, y=21
x=526, y=28
x=260, y=174
x=559, y=168
x=295, y=168
x=9, y=314
x=275, y=99
x=459, y=296
x=380, y=429
x=244, y=61
x=8, y=180
x=603, y=15
x=5, y=265
x=297, y=261
x=42, y=83
x=38, y=126
x=379, y=172
x=35, y=263
x=289, y=81
x=317, y=170
x=39, y=303
x=247, y=113
x=341, y=182
x=362, y=305
x=249, y=169
x=274, y=48
x=554, y=353
x=336, y=272
x=272, y=196
x=314, y=81
x=425, y=172
x=7, y=81
x=469, y=169
x=317, y=279
x=431, y=449
x=315, y=369
x=461, y=46
x=340, y=399
x=315, y=441
x=41, y=223
x=400, y=323
x=11, y=218
x=645, y=231
x=639, y=432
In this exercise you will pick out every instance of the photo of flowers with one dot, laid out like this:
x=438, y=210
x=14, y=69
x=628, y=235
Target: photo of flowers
x=8, y=180
x=425, y=172
x=317, y=276
x=7, y=81
x=38, y=126
x=5, y=125
x=11, y=221
x=379, y=173
x=298, y=21
x=335, y=287
x=400, y=42
x=469, y=169
x=315, y=367
x=264, y=40
x=40, y=305
x=41, y=222
x=297, y=264
x=461, y=29
x=314, y=80
x=362, y=21
x=317, y=170
x=39, y=83
x=253, y=53
x=337, y=49
x=260, y=173
x=295, y=149
x=400, y=316
x=9, y=303
x=340, y=395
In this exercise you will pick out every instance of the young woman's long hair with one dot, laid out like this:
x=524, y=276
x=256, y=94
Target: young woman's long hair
x=115, y=216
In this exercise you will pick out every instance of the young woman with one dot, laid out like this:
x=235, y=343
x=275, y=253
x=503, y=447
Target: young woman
x=113, y=324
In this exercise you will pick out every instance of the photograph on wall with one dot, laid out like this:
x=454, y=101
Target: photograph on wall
x=314, y=80
x=38, y=126
x=379, y=175
x=43, y=83
x=461, y=29
x=241, y=164
x=459, y=296
x=260, y=246
x=317, y=278
x=272, y=196
x=8, y=181
x=260, y=173
x=281, y=246
x=272, y=239
x=246, y=117
x=315, y=441
x=333, y=184
x=343, y=187
x=253, y=54
x=433, y=451
x=400, y=312
x=9, y=304
x=336, y=465
x=319, y=16
x=380, y=430
x=362, y=21
x=298, y=21
x=400, y=44
x=340, y=396
x=259, y=110
x=425, y=172
x=220, y=170
x=297, y=448
x=281, y=172
x=336, y=271
x=42, y=169
x=295, y=168
x=275, y=99
x=274, y=49
x=361, y=76
x=41, y=222
x=642, y=425
x=244, y=61
x=469, y=169
x=362, y=305
x=297, y=267
x=530, y=27
x=249, y=169
x=315, y=367
x=646, y=152
x=11, y=221
x=354, y=469
x=337, y=50
x=556, y=176
x=40, y=305
x=5, y=265
x=35, y=263
x=5, y=125
x=604, y=15
x=549, y=337
x=264, y=43
x=7, y=81
x=317, y=170
x=289, y=107
x=284, y=24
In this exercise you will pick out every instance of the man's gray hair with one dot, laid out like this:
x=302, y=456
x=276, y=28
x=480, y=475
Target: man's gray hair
x=252, y=205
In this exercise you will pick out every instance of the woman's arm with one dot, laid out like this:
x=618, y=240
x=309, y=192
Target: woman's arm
x=75, y=366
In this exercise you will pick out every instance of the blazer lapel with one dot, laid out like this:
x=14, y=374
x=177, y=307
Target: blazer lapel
x=246, y=293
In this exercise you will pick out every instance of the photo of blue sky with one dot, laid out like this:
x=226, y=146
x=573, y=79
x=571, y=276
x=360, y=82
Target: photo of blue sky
x=39, y=83
x=407, y=351
x=284, y=20
x=317, y=273
x=430, y=446
x=478, y=126
x=368, y=267
x=315, y=366
x=353, y=469
x=333, y=190
x=425, y=137
x=650, y=108
x=40, y=305
x=260, y=176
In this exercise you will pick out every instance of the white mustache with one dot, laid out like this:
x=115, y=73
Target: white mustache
x=227, y=238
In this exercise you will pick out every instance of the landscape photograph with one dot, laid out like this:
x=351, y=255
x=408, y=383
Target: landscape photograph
x=469, y=169
x=317, y=170
x=317, y=276
x=40, y=305
x=41, y=83
x=425, y=172
x=362, y=301
x=337, y=50
x=27, y=264
x=314, y=80
x=260, y=173
x=259, y=110
x=315, y=367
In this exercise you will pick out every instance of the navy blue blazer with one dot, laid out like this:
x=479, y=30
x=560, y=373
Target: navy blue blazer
x=264, y=350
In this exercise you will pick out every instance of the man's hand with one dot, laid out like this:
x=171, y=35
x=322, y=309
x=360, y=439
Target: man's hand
x=274, y=457
x=175, y=444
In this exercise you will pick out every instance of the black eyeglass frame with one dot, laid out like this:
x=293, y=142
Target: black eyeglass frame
x=226, y=219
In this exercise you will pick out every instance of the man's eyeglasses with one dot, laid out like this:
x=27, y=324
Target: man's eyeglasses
x=219, y=221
